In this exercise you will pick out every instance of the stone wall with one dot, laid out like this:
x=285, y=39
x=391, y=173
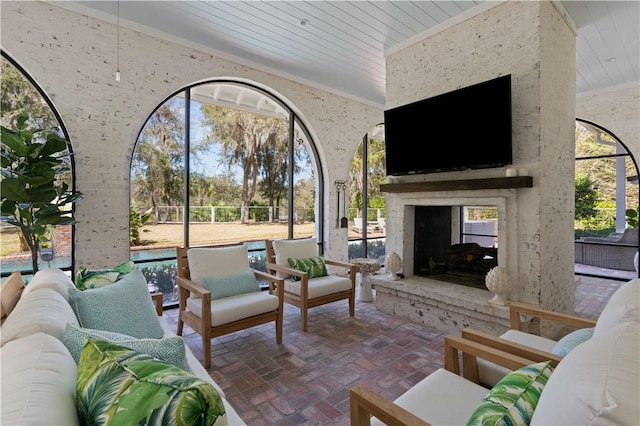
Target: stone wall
x=72, y=57
x=532, y=42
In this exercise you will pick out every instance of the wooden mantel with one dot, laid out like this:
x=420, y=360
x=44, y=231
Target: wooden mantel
x=460, y=185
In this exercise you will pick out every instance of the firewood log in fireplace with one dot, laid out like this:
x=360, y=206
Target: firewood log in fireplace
x=472, y=257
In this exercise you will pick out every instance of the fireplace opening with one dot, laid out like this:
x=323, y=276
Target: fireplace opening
x=439, y=254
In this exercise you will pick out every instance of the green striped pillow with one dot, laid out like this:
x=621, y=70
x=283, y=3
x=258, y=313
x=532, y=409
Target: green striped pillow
x=313, y=266
x=514, y=398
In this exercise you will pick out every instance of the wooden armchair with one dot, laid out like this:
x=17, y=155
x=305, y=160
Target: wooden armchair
x=302, y=289
x=443, y=397
x=216, y=296
x=518, y=342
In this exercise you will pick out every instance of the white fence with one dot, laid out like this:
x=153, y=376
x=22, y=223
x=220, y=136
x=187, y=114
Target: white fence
x=223, y=214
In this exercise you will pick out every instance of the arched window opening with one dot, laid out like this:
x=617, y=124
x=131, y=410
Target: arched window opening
x=606, y=209
x=367, y=205
x=21, y=95
x=218, y=162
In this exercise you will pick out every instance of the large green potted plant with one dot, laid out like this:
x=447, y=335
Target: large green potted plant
x=34, y=195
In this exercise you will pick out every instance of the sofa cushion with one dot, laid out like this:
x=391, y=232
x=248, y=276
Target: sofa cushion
x=38, y=311
x=231, y=285
x=313, y=266
x=294, y=249
x=53, y=278
x=117, y=385
x=514, y=398
x=320, y=286
x=596, y=383
x=571, y=340
x=621, y=307
x=170, y=350
x=38, y=382
x=95, y=278
x=461, y=396
x=215, y=262
x=10, y=291
x=234, y=308
x=123, y=307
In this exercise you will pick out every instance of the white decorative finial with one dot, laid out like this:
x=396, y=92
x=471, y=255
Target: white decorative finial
x=392, y=264
x=498, y=281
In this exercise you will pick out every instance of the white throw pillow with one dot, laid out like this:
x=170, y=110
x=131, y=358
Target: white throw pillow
x=38, y=382
x=596, y=383
x=39, y=311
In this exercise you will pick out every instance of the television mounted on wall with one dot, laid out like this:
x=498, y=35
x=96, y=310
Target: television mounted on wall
x=468, y=128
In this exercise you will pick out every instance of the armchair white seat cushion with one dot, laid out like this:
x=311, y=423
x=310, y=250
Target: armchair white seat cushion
x=320, y=286
x=442, y=398
x=234, y=308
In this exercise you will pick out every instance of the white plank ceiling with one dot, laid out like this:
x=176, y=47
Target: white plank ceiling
x=340, y=45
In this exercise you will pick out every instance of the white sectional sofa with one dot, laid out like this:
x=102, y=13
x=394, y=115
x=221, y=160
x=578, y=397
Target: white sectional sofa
x=596, y=382
x=38, y=373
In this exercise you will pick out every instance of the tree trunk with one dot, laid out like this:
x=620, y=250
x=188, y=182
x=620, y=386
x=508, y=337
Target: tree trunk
x=34, y=258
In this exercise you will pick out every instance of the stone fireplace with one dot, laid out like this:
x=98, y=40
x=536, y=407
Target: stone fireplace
x=535, y=221
x=441, y=301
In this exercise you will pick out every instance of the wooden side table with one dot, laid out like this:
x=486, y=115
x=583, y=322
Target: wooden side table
x=157, y=300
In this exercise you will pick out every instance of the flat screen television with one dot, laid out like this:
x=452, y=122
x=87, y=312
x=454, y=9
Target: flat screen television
x=468, y=128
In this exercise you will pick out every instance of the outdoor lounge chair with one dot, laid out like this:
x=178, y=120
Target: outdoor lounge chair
x=219, y=293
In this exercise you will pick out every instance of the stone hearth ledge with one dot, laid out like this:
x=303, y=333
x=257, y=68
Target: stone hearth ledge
x=446, y=306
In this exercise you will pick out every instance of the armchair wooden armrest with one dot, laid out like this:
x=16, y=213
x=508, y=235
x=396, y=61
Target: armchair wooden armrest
x=191, y=287
x=275, y=284
x=348, y=265
x=514, y=348
x=366, y=403
x=516, y=309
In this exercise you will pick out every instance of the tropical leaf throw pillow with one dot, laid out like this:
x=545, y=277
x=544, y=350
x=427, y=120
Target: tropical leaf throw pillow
x=96, y=278
x=119, y=386
x=513, y=399
x=313, y=266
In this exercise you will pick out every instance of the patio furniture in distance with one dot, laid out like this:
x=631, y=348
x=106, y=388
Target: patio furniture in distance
x=613, y=252
x=358, y=225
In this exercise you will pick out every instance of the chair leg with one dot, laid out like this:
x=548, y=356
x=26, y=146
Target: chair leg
x=206, y=349
x=180, y=324
x=303, y=314
x=352, y=306
x=279, y=322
